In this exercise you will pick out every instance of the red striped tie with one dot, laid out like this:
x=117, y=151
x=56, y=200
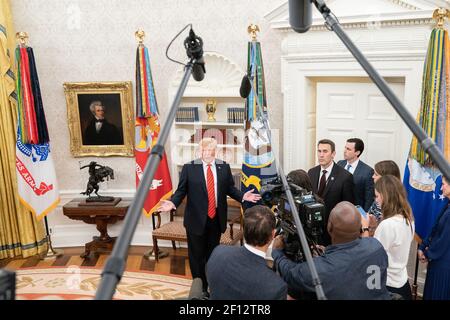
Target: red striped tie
x=211, y=193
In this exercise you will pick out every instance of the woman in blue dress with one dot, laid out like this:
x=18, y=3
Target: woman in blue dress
x=435, y=250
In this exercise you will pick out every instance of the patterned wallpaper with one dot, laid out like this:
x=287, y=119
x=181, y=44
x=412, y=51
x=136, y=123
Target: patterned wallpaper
x=83, y=40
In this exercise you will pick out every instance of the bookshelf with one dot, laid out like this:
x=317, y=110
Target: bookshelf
x=222, y=80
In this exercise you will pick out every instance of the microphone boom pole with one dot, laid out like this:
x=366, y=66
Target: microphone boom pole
x=115, y=265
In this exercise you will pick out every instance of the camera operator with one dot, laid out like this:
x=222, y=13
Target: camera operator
x=350, y=268
x=241, y=273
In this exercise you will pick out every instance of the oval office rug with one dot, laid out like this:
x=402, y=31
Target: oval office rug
x=81, y=283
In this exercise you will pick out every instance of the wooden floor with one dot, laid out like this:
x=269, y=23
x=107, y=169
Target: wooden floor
x=176, y=263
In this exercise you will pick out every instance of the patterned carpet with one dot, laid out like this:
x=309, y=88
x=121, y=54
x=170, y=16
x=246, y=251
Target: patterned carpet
x=80, y=283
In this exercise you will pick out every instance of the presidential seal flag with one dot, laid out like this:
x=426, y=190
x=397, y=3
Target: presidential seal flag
x=36, y=177
x=259, y=161
x=147, y=129
x=422, y=179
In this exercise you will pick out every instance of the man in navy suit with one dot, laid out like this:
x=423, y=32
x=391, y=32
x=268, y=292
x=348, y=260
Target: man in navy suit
x=241, y=273
x=362, y=173
x=206, y=182
x=330, y=182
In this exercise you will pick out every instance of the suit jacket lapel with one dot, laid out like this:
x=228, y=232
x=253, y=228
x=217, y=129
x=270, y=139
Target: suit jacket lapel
x=315, y=179
x=358, y=168
x=330, y=180
x=201, y=174
x=219, y=172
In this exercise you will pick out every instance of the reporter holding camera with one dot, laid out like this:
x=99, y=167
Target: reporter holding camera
x=241, y=273
x=350, y=268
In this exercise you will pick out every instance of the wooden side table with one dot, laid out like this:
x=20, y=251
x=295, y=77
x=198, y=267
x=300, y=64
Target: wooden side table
x=101, y=216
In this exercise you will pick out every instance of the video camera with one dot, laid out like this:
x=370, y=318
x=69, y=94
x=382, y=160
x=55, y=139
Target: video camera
x=311, y=214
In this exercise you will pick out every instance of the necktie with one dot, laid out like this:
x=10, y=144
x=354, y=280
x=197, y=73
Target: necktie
x=211, y=193
x=349, y=166
x=323, y=183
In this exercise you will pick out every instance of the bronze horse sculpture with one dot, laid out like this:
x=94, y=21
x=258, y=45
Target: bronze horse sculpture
x=97, y=174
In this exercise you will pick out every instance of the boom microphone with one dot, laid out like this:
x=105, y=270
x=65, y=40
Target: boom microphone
x=300, y=15
x=198, y=70
x=245, y=88
x=194, y=49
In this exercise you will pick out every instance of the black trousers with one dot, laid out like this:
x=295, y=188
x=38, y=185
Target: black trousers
x=200, y=248
x=404, y=291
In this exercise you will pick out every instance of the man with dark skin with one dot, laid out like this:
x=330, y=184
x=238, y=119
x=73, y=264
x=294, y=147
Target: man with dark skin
x=352, y=267
x=344, y=223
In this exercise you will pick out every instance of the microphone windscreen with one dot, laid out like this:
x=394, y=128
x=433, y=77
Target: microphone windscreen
x=245, y=88
x=198, y=70
x=300, y=15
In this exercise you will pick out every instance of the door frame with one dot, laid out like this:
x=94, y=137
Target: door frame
x=299, y=74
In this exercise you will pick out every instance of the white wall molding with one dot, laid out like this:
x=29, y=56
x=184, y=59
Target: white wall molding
x=393, y=42
x=356, y=14
x=343, y=57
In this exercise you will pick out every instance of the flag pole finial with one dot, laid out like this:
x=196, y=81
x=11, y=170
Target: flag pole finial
x=140, y=35
x=440, y=15
x=252, y=30
x=22, y=37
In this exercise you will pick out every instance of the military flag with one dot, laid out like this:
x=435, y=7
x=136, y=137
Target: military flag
x=422, y=179
x=36, y=177
x=147, y=129
x=259, y=160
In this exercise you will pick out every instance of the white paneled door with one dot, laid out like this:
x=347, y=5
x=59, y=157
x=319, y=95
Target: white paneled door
x=351, y=109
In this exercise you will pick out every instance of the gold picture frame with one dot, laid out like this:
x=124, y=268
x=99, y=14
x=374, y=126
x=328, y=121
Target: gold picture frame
x=111, y=133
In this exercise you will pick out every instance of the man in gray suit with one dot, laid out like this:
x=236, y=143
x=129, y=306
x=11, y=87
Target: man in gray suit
x=362, y=173
x=241, y=273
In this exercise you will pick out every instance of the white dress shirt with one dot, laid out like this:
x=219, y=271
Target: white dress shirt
x=255, y=251
x=353, y=166
x=98, y=125
x=214, y=172
x=396, y=237
x=327, y=175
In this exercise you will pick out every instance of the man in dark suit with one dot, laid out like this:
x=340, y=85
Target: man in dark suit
x=330, y=182
x=206, y=182
x=100, y=131
x=241, y=273
x=362, y=173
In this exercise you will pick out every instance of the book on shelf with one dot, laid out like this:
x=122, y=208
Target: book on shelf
x=187, y=114
x=236, y=115
x=222, y=136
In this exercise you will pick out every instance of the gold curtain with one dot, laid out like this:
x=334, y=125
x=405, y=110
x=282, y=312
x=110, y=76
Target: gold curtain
x=20, y=232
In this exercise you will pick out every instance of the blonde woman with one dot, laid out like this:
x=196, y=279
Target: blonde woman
x=395, y=232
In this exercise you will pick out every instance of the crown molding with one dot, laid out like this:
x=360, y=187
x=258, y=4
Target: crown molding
x=400, y=13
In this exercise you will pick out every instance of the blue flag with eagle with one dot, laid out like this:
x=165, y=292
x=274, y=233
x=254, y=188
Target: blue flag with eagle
x=258, y=163
x=422, y=179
